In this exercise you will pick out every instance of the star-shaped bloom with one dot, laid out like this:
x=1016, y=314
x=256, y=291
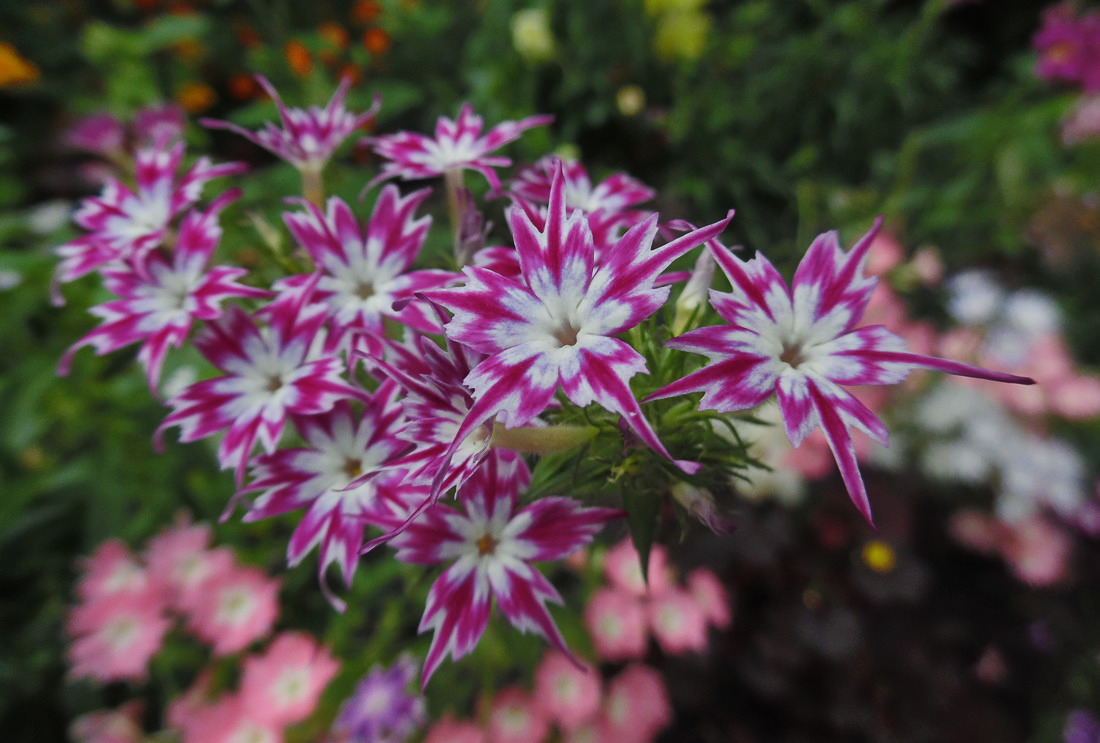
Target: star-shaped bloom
x=607, y=204
x=126, y=224
x=340, y=478
x=801, y=344
x=364, y=271
x=458, y=145
x=553, y=326
x=160, y=298
x=270, y=371
x=308, y=137
x=492, y=543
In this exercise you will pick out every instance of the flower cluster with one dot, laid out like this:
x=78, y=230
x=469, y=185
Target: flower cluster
x=621, y=615
x=449, y=413
x=381, y=710
x=128, y=604
x=1069, y=51
x=633, y=708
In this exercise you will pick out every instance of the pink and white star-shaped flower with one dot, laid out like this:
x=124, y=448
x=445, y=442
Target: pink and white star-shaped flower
x=553, y=326
x=126, y=224
x=492, y=545
x=364, y=271
x=161, y=297
x=270, y=371
x=308, y=137
x=342, y=478
x=801, y=344
x=607, y=204
x=458, y=145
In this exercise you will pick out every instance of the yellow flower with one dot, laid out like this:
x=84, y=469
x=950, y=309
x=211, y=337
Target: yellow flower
x=879, y=556
x=14, y=69
x=531, y=35
x=195, y=97
x=630, y=100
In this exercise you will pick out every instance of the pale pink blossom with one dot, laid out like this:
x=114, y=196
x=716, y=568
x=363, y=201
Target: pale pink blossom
x=566, y=694
x=113, y=571
x=711, y=596
x=1038, y=551
x=677, y=621
x=636, y=707
x=450, y=730
x=228, y=721
x=234, y=608
x=120, y=725
x=282, y=686
x=616, y=622
x=115, y=637
x=622, y=566
x=515, y=718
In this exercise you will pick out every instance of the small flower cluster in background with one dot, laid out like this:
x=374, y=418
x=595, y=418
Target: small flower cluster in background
x=1069, y=51
x=128, y=605
x=569, y=703
x=623, y=615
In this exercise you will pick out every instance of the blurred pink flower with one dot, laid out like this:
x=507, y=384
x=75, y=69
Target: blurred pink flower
x=450, y=730
x=234, y=608
x=622, y=566
x=636, y=707
x=616, y=622
x=1038, y=551
x=678, y=622
x=515, y=718
x=566, y=694
x=185, y=708
x=109, y=726
x=115, y=637
x=111, y=572
x=228, y=721
x=711, y=596
x=282, y=686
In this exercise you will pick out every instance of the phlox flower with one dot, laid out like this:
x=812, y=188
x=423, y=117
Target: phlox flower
x=616, y=622
x=711, y=597
x=229, y=721
x=308, y=137
x=125, y=224
x=636, y=707
x=120, y=725
x=113, y=571
x=341, y=478
x=270, y=371
x=801, y=344
x=179, y=559
x=233, y=609
x=282, y=686
x=492, y=544
x=554, y=326
x=515, y=718
x=677, y=621
x=365, y=270
x=184, y=709
x=450, y=730
x=566, y=694
x=162, y=296
x=458, y=145
x=101, y=134
x=114, y=637
x=623, y=568
x=381, y=710
x=607, y=205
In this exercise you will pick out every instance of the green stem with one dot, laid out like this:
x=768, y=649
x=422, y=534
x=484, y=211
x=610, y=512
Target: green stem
x=534, y=440
x=452, y=179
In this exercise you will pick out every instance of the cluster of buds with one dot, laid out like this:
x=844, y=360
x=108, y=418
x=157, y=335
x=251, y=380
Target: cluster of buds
x=535, y=367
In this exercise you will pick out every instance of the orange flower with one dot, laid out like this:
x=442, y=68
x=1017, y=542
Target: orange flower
x=195, y=97
x=242, y=86
x=297, y=56
x=14, y=69
x=376, y=41
x=364, y=11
